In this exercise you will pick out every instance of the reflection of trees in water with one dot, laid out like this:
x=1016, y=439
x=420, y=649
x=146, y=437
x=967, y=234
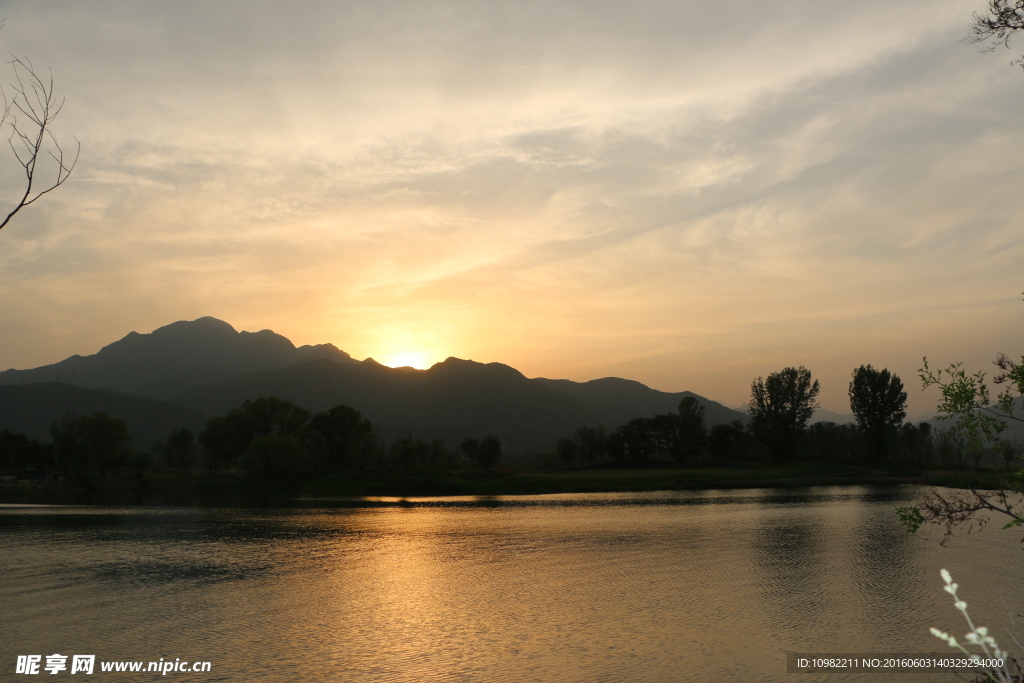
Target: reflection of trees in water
x=826, y=561
x=792, y=576
x=789, y=549
x=882, y=571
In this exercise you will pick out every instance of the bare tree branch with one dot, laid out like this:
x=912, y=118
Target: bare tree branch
x=29, y=114
x=1004, y=19
x=956, y=509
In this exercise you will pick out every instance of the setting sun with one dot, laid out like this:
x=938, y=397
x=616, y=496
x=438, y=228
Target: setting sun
x=410, y=359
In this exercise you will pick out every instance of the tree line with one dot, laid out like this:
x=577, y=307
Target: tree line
x=276, y=441
x=267, y=439
x=780, y=409
x=272, y=440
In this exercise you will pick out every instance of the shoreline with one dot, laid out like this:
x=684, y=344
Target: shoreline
x=169, y=489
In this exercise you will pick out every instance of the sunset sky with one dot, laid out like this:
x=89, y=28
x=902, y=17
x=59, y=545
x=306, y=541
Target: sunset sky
x=686, y=194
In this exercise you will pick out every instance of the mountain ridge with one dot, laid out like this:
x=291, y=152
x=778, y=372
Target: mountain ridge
x=173, y=357
x=208, y=368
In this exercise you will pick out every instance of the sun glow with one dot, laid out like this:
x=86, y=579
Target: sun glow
x=411, y=359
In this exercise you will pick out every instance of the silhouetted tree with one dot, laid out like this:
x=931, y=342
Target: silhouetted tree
x=566, y=448
x=828, y=441
x=417, y=455
x=275, y=459
x=270, y=416
x=438, y=456
x=91, y=445
x=221, y=444
x=780, y=407
x=346, y=438
x=638, y=439
x=879, y=403
x=18, y=453
x=692, y=431
x=950, y=446
x=1007, y=450
x=403, y=453
x=666, y=436
x=489, y=453
x=226, y=438
x=591, y=442
x=179, y=449
x=1004, y=19
x=914, y=444
x=469, y=448
x=725, y=441
x=616, y=448
x=720, y=441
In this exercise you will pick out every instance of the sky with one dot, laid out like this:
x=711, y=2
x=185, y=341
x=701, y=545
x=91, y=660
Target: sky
x=686, y=194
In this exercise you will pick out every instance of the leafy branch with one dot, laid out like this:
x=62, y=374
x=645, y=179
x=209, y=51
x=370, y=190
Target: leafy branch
x=967, y=399
x=979, y=420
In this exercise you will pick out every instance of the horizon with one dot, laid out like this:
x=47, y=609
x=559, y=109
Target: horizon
x=399, y=358
x=577, y=191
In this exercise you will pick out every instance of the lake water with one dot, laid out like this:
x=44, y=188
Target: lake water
x=652, y=587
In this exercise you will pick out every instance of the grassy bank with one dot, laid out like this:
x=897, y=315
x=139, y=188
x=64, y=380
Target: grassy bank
x=610, y=480
x=165, y=486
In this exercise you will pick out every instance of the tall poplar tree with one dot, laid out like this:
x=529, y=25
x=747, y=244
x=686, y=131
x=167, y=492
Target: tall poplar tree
x=780, y=407
x=879, y=403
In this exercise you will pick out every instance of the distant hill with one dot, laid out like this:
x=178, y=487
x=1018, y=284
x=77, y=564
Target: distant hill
x=454, y=400
x=30, y=409
x=176, y=357
x=618, y=401
x=824, y=415
x=820, y=415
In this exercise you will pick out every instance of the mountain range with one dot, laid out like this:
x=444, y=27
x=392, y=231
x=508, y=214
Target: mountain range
x=176, y=357
x=181, y=374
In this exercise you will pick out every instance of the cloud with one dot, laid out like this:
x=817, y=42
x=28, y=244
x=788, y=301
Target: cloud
x=574, y=188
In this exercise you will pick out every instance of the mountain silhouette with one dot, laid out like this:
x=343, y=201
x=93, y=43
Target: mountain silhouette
x=204, y=367
x=174, y=358
x=454, y=400
x=618, y=401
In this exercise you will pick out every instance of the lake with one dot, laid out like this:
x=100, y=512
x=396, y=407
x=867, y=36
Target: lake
x=631, y=587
